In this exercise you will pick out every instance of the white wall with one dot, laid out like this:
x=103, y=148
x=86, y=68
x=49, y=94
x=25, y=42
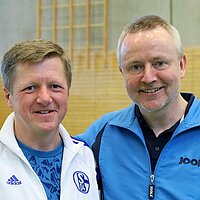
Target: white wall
x=18, y=19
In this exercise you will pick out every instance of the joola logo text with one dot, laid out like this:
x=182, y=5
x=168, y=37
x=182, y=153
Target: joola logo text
x=187, y=161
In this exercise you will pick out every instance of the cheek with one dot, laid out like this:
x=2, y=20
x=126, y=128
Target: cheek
x=63, y=100
x=172, y=78
x=23, y=102
x=20, y=104
x=131, y=83
x=13, y=102
x=131, y=87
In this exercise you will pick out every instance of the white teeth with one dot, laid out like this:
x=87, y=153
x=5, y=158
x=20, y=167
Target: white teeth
x=44, y=112
x=151, y=91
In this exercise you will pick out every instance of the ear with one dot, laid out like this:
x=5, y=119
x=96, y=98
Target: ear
x=183, y=66
x=7, y=96
x=120, y=69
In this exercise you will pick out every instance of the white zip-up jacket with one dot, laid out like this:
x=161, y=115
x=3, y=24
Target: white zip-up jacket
x=19, y=181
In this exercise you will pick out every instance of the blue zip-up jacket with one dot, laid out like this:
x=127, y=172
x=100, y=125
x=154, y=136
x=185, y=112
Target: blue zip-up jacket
x=125, y=163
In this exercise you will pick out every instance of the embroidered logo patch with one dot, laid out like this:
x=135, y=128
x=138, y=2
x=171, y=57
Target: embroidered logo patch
x=82, y=181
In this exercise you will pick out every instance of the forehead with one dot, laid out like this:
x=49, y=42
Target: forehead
x=48, y=64
x=157, y=38
x=148, y=44
x=51, y=68
x=155, y=34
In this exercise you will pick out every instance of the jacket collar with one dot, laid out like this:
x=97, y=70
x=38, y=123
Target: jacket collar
x=126, y=118
x=7, y=137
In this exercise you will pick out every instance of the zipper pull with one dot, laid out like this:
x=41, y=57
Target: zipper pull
x=151, y=187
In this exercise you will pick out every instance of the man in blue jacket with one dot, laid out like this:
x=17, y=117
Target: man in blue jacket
x=150, y=150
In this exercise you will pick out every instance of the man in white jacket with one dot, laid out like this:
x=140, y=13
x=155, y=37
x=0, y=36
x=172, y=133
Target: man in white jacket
x=39, y=160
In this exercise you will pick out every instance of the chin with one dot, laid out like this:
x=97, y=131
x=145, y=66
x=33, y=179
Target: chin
x=47, y=128
x=152, y=108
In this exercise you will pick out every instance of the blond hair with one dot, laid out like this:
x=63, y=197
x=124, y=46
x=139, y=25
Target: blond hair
x=32, y=52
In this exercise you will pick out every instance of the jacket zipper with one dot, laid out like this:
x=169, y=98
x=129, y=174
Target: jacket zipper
x=151, y=187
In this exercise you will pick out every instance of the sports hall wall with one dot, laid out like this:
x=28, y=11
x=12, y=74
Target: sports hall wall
x=97, y=85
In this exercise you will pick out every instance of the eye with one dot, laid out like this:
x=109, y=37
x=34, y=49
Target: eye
x=160, y=64
x=55, y=87
x=29, y=89
x=135, y=68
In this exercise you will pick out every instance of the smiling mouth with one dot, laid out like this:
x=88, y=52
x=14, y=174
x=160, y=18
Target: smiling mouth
x=149, y=91
x=44, y=112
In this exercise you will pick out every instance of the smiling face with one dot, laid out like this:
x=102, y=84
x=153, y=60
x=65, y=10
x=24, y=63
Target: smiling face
x=39, y=98
x=152, y=69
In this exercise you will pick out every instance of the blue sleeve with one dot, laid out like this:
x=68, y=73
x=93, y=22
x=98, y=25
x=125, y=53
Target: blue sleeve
x=89, y=135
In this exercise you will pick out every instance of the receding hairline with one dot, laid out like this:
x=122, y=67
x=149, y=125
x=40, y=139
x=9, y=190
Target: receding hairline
x=145, y=23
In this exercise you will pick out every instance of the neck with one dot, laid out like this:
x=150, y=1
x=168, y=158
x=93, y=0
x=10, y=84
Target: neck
x=41, y=144
x=163, y=119
x=38, y=140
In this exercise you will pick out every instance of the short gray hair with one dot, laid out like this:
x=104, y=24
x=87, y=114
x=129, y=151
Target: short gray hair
x=148, y=22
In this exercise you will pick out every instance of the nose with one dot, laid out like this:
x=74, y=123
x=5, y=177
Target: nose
x=149, y=74
x=44, y=96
